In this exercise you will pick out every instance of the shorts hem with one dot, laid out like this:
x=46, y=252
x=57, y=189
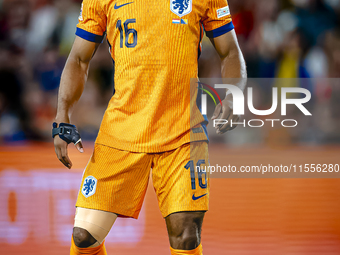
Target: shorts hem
x=119, y=213
x=169, y=149
x=184, y=210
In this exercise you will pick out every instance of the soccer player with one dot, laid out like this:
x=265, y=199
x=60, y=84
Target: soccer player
x=152, y=120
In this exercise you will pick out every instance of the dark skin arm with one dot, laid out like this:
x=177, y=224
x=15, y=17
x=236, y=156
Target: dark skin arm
x=233, y=69
x=71, y=88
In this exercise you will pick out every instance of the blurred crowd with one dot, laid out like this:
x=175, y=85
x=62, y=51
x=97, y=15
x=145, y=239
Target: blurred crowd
x=279, y=39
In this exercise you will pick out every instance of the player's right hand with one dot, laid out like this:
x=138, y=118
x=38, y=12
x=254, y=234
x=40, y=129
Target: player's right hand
x=60, y=147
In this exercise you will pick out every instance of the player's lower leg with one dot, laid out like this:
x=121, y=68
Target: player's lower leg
x=184, y=230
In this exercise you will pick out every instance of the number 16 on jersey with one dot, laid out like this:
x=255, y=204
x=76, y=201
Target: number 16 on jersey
x=126, y=32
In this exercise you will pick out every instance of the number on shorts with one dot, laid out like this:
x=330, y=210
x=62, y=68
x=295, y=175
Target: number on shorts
x=190, y=166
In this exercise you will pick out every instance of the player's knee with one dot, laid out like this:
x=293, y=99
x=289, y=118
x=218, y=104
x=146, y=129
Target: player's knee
x=186, y=241
x=82, y=238
x=184, y=229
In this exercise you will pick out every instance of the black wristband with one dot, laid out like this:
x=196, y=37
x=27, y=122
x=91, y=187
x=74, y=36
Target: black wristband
x=66, y=132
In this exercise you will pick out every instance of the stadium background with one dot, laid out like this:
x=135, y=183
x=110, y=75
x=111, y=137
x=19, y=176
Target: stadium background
x=279, y=39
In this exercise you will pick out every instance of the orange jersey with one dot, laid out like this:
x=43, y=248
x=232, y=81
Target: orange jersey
x=155, y=45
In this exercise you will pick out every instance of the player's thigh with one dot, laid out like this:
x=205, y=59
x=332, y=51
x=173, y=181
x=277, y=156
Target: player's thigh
x=180, y=181
x=115, y=181
x=96, y=223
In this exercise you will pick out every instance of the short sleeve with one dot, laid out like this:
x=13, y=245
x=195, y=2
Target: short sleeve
x=92, y=21
x=217, y=20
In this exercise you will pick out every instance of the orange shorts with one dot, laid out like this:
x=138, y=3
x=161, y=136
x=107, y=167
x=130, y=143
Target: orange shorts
x=116, y=181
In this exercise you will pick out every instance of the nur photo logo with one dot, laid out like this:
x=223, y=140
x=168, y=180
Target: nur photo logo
x=283, y=96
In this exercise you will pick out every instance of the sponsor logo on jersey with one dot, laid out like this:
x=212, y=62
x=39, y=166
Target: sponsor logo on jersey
x=89, y=186
x=119, y=6
x=223, y=12
x=181, y=7
x=196, y=198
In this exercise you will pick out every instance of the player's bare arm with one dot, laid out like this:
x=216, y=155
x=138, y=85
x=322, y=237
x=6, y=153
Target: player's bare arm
x=232, y=67
x=71, y=88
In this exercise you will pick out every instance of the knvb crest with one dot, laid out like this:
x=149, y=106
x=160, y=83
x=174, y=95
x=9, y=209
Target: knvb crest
x=89, y=186
x=181, y=7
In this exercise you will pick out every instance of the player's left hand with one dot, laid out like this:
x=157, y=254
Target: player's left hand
x=225, y=112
